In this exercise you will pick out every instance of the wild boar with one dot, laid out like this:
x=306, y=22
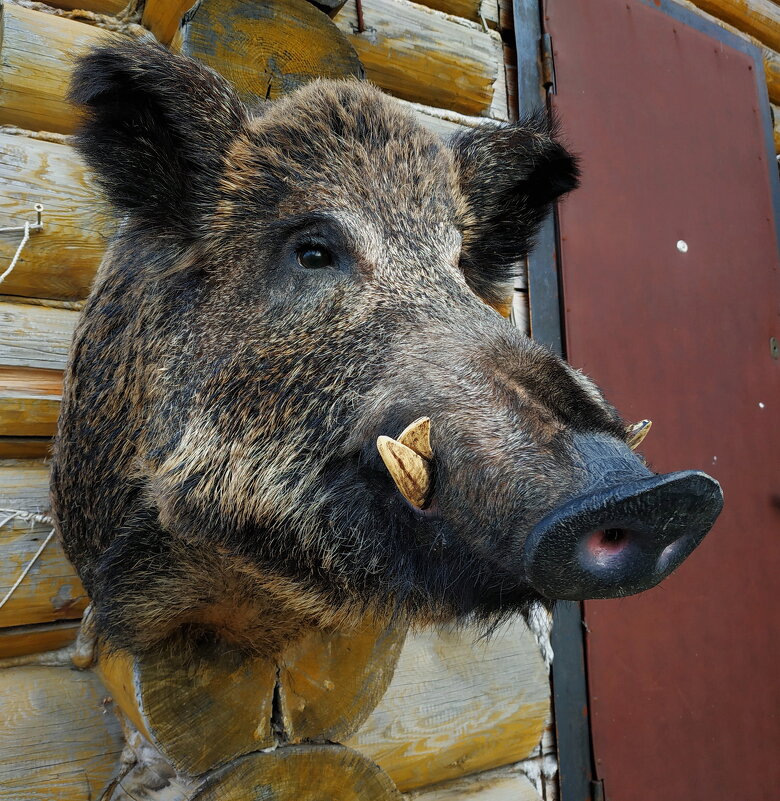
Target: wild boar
x=289, y=291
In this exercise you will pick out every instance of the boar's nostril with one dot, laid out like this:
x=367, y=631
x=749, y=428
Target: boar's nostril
x=607, y=544
x=408, y=459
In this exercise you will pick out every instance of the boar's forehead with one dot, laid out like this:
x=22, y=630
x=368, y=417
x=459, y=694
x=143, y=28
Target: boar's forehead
x=344, y=147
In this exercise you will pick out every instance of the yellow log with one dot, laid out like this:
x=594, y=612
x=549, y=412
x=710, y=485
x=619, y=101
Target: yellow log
x=448, y=62
x=26, y=414
x=199, y=710
x=35, y=336
x=776, y=121
x=457, y=706
x=24, y=447
x=772, y=72
x=300, y=773
x=98, y=6
x=60, y=260
x=36, y=54
x=59, y=736
x=163, y=17
x=475, y=10
x=267, y=48
x=759, y=18
x=29, y=401
x=505, y=784
x=51, y=590
x=23, y=640
x=206, y=707
x=329, y=683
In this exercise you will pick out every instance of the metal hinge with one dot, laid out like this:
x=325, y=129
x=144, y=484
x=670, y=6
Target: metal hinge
x=548, y=64
x=597, y=790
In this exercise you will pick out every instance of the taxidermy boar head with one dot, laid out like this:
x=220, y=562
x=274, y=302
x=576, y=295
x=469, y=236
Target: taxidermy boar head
x=290, y=401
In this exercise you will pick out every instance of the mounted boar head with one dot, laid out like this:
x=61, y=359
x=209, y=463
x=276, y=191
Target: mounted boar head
x=241, y=449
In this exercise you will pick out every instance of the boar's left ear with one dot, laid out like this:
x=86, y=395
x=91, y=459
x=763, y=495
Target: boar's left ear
x=509, y=175
x=155, y=128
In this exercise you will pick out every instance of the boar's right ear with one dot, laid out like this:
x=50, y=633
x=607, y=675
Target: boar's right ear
x=155, y=128
x=509, y=175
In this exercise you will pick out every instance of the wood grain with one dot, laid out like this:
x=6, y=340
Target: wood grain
x=759, y=18
x=475, y=10
x=300, y=773
x=36, y=53
x=456, y=706
x=50, y=591
x=98, y=6
x=441, y=120
x=772, y=73
x=35, y=336
x=22, y=640
x=506, y=784
x=24, y=447
x=24, y=485
x=59, y=261
x=422, y=55
x=29, y=401
x=776, y=123
x=31, y=380
x=200, y=710
x=267, y=48
x=207, y=707
x=59, y=736
x=163, y=17
x=329, y=683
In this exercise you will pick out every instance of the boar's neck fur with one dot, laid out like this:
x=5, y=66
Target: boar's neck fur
x=215, y=470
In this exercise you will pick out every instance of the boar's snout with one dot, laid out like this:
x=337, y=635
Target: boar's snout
x=627, y=532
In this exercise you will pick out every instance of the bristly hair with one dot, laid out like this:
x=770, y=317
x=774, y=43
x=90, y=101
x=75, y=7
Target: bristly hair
x=509, y=176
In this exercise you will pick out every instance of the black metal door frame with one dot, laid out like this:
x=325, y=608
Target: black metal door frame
x=574, y=744
x=569, y=684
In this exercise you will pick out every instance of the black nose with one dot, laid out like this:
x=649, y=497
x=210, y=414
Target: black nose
x=621, y=539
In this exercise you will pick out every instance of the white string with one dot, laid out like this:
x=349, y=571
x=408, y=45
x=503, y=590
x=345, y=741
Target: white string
x=12, y=514
x=11, y=266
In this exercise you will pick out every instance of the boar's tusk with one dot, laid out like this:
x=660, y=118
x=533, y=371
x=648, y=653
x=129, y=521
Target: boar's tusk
x=417, y=436
x=637, y=432
x=412, y=474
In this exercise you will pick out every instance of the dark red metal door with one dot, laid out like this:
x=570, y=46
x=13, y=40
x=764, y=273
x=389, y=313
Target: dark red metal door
x=671, y=296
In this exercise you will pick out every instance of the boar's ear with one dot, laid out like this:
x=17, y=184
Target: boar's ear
x=155, y=128
x=509, y=175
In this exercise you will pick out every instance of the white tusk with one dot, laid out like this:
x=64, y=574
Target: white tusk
x=636, y=433
x=410, y=471
x=417, y=436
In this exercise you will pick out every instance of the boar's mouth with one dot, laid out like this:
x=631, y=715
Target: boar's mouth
x=623, y=538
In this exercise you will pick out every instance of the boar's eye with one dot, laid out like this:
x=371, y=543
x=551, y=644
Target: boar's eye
x=314, y=257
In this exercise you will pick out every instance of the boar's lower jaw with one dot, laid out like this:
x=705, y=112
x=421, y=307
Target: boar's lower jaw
x=623, y=539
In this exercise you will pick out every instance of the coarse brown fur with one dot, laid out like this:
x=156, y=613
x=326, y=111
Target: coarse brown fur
x=215, y=468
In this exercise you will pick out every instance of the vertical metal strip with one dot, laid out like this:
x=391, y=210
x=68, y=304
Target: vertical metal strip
x=570, y=696
x=543, y=286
